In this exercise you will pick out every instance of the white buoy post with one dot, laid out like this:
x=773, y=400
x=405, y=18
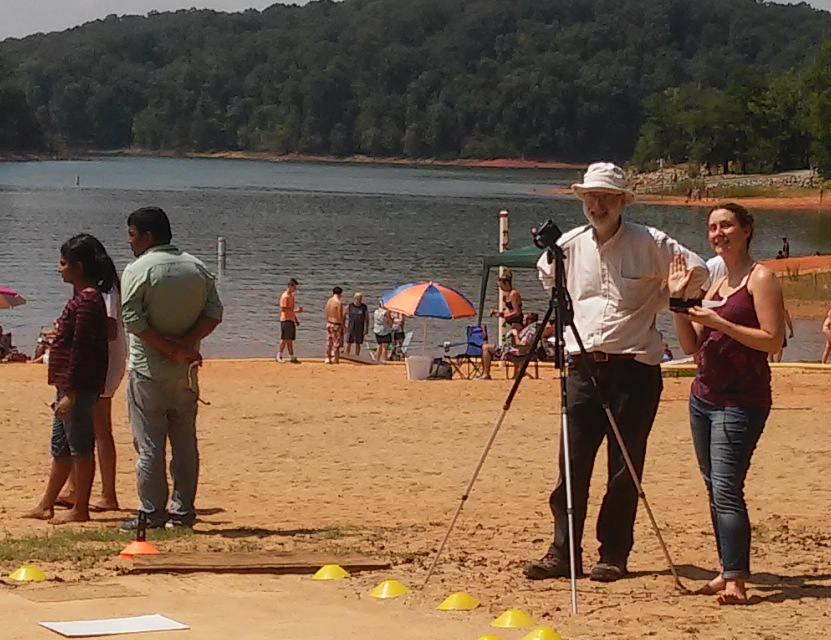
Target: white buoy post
x=77, y=180
x=220, y=252
x=503, y=246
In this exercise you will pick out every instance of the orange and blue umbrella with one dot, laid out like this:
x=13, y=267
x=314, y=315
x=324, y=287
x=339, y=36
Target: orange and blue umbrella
x=428, y=300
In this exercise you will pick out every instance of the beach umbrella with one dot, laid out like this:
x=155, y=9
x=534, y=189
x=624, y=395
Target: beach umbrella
x=10, y=298
x=428, y=300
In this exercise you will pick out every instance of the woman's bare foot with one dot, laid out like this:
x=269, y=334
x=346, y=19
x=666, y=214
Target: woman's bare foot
x=73, y=515
x=39, y=513
x=733, y=593
x=716, y=585
x=102, y=504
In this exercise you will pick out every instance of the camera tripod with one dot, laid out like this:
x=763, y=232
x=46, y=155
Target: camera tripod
x=560, y=306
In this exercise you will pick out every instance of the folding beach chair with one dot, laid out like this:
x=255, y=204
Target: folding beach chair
x=514, y=358
x=468, y=364
x=6, y=347
x=399, y=351
x=515, y=355
x=8, y=352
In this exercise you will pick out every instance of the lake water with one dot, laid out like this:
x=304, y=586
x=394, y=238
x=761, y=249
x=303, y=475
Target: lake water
x=363, y=227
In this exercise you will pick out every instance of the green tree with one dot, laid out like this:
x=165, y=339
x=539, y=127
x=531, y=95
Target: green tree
x=818, y=86
x=571, y=80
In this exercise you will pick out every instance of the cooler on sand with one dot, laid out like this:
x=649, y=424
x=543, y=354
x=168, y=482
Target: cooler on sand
x=418, y=367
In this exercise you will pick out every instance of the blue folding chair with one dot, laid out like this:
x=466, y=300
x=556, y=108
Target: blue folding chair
x=468, y=364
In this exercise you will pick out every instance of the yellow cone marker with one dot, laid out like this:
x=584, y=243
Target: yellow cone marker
x=28, y=573
x=389, y=589
x=330, y=572
x=542, y=633
x=512, y=619
x=458, y=602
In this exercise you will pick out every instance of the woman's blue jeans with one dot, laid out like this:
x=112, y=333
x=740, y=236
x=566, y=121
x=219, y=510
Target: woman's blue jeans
x=724, y=440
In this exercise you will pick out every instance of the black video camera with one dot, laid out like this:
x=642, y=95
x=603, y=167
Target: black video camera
x=546, y=236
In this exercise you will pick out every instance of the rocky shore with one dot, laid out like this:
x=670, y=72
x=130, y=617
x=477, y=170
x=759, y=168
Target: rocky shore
x=671, y=179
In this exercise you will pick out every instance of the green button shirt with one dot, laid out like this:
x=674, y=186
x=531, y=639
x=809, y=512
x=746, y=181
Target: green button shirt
x=167, y=290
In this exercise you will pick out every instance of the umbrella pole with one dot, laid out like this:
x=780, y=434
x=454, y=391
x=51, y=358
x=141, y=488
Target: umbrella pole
x=424, y=342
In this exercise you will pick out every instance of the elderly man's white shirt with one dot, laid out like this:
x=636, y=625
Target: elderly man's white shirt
x=619, y=287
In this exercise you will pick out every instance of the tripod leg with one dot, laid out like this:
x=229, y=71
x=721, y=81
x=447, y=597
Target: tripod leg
x=466, y=493
x=572, y=559
x=559, y=322
x=641, y=494
x=505, y=408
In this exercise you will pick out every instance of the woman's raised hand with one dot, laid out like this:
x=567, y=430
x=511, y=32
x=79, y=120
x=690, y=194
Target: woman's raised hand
x=679, y=276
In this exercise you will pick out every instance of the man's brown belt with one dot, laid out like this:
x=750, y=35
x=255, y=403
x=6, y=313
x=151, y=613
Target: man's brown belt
x=602, y=356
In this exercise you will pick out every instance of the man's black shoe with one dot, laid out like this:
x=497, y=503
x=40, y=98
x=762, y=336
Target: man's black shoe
x=608, y=572
x=133, y=525
x=549, y=566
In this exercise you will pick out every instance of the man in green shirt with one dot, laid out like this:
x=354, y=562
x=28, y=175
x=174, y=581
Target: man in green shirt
x=169, y=304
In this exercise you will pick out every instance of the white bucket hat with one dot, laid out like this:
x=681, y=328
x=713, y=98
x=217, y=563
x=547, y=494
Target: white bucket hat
x=605, y=177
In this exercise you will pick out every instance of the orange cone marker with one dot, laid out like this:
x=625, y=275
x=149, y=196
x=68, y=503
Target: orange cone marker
x=140, y=545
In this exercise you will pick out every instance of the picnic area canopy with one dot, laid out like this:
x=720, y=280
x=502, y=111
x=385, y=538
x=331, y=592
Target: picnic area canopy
x=519, y=258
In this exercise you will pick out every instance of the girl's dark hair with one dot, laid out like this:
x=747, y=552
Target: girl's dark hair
x=81, y=249
x=507, y=276
x=109, y=274
x=98, y=265
x=743, y=217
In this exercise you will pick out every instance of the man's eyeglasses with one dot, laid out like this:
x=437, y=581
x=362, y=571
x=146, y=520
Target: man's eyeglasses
x=605, y=198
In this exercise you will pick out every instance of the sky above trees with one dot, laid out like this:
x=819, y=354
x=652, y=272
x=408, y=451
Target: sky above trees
x=819, y=4
x=18, y=19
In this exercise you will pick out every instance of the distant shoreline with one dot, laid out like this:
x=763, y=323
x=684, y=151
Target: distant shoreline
x=784, y=200
x=496, y=163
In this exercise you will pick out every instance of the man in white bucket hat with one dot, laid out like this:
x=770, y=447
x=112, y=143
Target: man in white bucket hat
x=615, y=272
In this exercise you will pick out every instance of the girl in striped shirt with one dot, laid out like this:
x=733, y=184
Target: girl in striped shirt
x=78, y=359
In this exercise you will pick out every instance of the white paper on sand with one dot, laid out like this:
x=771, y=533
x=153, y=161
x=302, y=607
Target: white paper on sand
x=113, y=626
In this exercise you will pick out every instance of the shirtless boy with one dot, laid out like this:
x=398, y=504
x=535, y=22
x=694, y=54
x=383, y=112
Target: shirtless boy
x=334, y=326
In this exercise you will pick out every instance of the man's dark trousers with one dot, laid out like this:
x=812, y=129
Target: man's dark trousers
x=633, y=391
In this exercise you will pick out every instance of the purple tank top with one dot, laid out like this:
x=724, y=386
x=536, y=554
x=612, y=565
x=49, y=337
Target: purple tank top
x=729, y=373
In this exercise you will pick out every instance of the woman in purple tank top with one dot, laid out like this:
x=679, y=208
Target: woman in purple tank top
x=739, y=323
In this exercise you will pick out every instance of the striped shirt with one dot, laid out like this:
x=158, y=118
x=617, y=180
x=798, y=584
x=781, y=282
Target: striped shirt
x=78, y=356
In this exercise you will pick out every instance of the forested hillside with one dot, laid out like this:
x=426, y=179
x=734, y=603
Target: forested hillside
x=545, y=79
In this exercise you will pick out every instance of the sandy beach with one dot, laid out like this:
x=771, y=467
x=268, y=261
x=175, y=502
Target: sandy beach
x=356, y=459
x=756, y=203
